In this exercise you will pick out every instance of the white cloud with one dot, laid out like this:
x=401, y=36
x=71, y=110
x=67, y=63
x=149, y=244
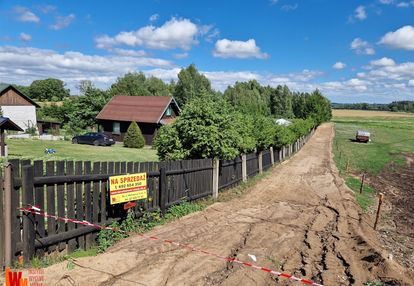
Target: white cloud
x=399, y=4
x=180, y=55
x=362, y=47
x=403, y=38
x=129, y=53
x=175, y=33
x=377, y=83
x=25, y=15
x=360, y=13
x=225, y=48
x=69, y=66
x=62, y=22
x=289, y=7
x=45, y=9
x=25, y=37
x=154, y=17
x=383, y=62
x=339, y=65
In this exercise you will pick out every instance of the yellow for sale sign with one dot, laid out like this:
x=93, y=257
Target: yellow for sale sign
x=127, y=188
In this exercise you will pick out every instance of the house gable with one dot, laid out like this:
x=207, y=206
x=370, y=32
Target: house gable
x=11, y=96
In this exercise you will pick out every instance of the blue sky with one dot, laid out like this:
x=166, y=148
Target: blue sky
x=351, y=50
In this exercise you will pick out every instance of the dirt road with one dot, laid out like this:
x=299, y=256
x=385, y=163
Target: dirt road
x=301, y=220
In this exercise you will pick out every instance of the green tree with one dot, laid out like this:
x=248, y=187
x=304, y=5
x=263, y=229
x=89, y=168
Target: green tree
x=167, y=142
x=138, y=84
x=281, y=102
x=81, y=111
x=264, y=132
x=134, y=138
x=84, y=85
x=205, y=129
x=190, y=84
x=248, y=97
x=318, y=107
x=50, y=89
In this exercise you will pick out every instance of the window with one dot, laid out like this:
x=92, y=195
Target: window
x=168, y=111
x=116, y=128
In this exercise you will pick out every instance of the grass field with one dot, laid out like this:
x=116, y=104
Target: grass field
x=392, y=136
x=34, y=150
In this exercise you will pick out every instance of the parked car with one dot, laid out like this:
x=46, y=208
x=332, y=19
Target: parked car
x=93, y=138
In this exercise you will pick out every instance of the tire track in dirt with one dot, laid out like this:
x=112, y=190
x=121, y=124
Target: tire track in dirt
x=301, y=219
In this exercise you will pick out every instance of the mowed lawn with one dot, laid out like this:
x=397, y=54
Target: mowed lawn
x=392, y=135
x=65, y=150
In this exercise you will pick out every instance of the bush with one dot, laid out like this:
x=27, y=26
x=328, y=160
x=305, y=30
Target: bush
x=264, y=132
x=168, y=144
x=283, y=136
x=206, y=128
x=133, y=137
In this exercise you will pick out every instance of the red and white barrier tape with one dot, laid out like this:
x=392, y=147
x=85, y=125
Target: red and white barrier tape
x=38, y=211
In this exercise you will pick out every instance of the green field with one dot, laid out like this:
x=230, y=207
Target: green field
x=392, y=136
x=34, y=150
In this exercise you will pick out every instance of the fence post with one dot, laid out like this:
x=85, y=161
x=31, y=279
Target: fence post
x=216, y=165
x=2, y=236
x=163, y=189
x=244, y=167
x=28, y=218
x=272, y=156
x=8, y=213
x=260, y=162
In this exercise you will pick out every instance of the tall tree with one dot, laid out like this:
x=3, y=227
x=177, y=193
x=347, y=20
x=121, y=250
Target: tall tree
x=138, y=84
x=248, y=97
x=50, y=89
x=281, y=102
x=82, y=110
x=190, y=84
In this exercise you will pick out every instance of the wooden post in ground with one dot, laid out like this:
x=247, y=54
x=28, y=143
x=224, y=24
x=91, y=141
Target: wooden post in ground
x=362, y=183
x=216, y=165
x=260, y=162
x=244, y=167
x=8, y=212
x=347, y=166
x=381, y=197
x=272, y=156
x=2, y=143
x=29, y=234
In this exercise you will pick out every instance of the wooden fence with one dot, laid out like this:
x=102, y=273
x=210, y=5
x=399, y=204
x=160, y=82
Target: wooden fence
x=80, y=190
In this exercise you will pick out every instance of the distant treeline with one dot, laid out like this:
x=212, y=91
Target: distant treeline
x=395, y=106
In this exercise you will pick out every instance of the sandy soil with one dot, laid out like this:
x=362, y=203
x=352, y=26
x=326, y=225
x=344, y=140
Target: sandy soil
x=301, y=220
x=397, y=220
x=368, y=113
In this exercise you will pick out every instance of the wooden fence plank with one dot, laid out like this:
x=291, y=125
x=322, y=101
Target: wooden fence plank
x=103, y=194
x=39, y=202
x=79, y=202
x=95, y=196
x=15, y=203
x=60, y=170
x=2, y=223
x=29, y=234
x=88, y=202
x=110, y=209
x=50, y=203
x=70, y=191
x=163, y=190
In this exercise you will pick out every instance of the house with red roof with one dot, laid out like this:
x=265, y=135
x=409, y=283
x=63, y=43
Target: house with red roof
x=149, y=112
